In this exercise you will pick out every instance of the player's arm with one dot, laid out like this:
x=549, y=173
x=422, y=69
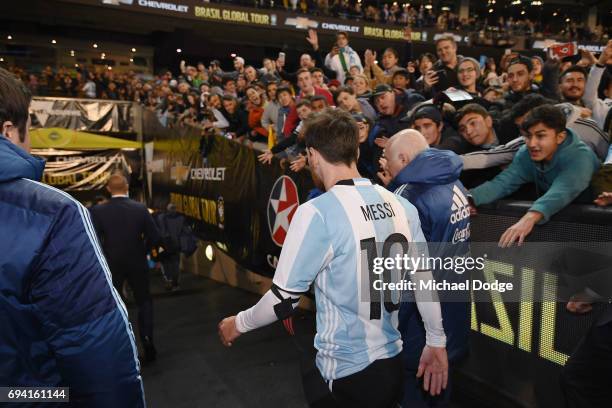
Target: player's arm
x=306, y=251
x=433, y=365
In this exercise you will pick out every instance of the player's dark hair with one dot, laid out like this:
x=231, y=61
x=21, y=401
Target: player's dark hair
x=549, y=115
x=15, y=101
x=334, y=134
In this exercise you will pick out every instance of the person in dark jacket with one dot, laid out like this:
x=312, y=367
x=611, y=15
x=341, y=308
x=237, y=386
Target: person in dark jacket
x=62, y=322
x=429, y=179
x=520, y=79
x=127, y=231
x=171, y=225
x=392, y=107
x=237, y=118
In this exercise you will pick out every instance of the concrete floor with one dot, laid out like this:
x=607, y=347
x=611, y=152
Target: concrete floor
x=194, y=370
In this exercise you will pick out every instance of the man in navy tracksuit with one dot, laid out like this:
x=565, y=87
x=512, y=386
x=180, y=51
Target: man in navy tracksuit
x=428, y=178
x=62, y=324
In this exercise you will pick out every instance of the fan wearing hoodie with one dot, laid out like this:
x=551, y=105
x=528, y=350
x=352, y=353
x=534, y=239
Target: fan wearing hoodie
x=429, y=179
x=63, y=324
x=554, y=158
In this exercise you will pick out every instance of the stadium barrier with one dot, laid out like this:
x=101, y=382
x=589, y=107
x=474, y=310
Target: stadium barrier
x=241, y=208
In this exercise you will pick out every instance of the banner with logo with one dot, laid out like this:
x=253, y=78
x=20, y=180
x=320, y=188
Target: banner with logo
x=269, y=18
x=81, y=114
x=226, y=192
x=80, y=163
x=84, y=171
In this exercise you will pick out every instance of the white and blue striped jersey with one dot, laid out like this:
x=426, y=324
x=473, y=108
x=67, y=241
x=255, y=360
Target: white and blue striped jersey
x=327, y=244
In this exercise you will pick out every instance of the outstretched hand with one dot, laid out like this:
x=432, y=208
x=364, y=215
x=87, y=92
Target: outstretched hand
x=433, y=367
x=265, y=157
x=604, y=199
x=313, y=39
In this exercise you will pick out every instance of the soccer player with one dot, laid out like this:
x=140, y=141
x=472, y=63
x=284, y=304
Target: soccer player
x=327, y=243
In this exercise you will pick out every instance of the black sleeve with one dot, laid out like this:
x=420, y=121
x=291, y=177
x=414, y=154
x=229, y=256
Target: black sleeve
x=550, y=81
x=243, y=126
x=287, y=76
x=95, y=218
x=150, y=229
x=285, y=143
x=330, y=74
x=407, y=52
x=455, y=144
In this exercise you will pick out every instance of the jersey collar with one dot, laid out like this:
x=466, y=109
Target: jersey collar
x=354, y=182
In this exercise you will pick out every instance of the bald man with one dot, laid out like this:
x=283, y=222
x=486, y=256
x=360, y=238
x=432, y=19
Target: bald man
x=428, y=178
x=126, y=231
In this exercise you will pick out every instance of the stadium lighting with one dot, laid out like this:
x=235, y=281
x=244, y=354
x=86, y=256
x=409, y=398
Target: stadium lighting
x=445, y=8
x=95, y=45
x=131, y=59
x=9, y=37
x=522, y=12
x=178, y=50
x=567, y=20
x=555, y=14
x=1, y=59
x=53, y=42
x=72, y=53
x=233, y=55
x=133, y=49
x=110, y=68
x=210, y=254
x=490, y=10
x=516, y=2
x=76, y=65
x=103, y=56
x=536, y=3
x=428, y=6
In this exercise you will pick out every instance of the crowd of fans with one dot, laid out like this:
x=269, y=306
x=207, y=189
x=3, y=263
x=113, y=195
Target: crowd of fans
x=522, y=126
x=476, y=111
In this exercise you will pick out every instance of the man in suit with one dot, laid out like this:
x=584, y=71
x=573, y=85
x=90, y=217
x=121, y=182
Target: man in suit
x=126, y=229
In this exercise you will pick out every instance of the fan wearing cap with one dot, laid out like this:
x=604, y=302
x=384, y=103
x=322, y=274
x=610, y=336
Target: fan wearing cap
x=238, y=69
x=427, y=119
x=392, y=107
x=215, y=73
